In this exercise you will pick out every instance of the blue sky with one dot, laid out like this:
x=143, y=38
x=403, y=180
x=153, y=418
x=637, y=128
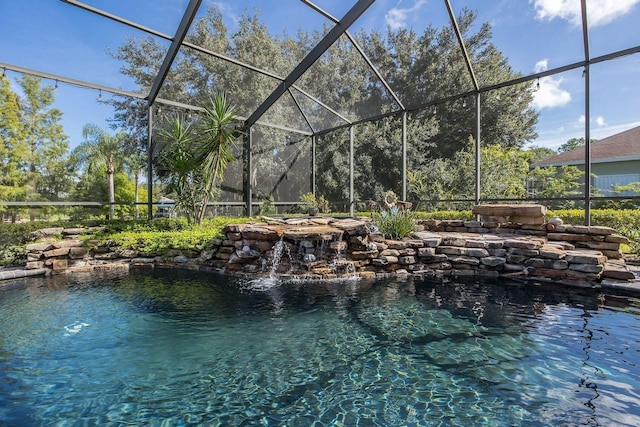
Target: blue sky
x=535, y=35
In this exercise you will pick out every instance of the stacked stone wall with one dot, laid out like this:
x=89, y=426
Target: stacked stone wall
x=327, y=248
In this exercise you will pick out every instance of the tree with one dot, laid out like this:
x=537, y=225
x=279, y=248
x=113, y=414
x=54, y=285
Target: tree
x=572, y=144
x=419, y=67
x=422, y=68
x=135, y=162
x=218, y=136
x=195, y=158
x=437, y=182
x=34, y=154
x=540, y=153
x=93, y=186
x=557, y=182
x=503, y=174
x=630, y=189
x=101, y=153
x=178, y=163
x=13, y=149
x=48, y=165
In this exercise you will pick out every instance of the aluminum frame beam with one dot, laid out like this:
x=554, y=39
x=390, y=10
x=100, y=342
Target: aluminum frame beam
x=95, y=86
x=478, y=162
x=135, y=95
x=465, y=53
x=150, y=162
x=352, y=197
x=304, y=116
x=248, y=166
x=73, y=82
x=361, y=52
x=476, y=85
x=181, y=33
x=351, y=16
x=404, y=155
x=587, y=113
x=512, y=82
x=200, y=49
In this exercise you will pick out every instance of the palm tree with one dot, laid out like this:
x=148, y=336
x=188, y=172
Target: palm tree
x=135, y=163
x=219, y=135
x=179, y=163
x=194, y=158
x=98, y=150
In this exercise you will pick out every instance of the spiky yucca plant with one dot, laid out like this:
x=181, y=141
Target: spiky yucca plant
x=195, y=156
x=395, y=223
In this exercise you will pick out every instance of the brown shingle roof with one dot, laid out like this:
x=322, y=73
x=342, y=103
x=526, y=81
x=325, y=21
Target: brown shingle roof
x=619, y=147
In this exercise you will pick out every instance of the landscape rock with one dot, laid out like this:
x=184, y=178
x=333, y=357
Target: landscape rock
x=313, y=244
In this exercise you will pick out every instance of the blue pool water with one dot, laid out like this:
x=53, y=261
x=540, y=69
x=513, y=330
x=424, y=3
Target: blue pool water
x=183, y=348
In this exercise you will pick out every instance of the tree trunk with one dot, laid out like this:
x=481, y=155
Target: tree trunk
x=204, y=201
x=31, y=186
x=137, y=210
x=208, y=191
x=112, y=196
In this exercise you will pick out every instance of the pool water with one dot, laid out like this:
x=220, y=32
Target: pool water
x=184, y=348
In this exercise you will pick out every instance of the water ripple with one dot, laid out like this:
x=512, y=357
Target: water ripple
x=190, y=349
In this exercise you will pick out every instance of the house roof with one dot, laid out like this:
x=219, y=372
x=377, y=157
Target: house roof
x=623, y=146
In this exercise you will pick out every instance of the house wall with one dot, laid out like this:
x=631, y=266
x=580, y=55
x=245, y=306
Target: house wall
x=616, y=168
x=610, y=174
x=606, y=183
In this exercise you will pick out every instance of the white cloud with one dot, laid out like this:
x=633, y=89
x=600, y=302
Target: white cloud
x=541, y=65
x=598, y=121
x=550, y=94
x=228, y=12
x=397, y=17
x=599, y=12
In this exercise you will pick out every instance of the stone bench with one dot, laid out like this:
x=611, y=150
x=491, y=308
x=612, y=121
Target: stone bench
x=521, y=214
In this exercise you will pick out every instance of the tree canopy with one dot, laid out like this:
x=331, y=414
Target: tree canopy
x=573, y=143
x=34, y=160
x=420, y=68
x=425, y=71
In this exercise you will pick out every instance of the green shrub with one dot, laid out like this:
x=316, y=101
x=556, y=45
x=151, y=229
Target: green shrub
x=615, y=218
x=268, y=208
x=219, y=222
x=395, y=223
x=466, y=215
x=164, y=234
x=12, y=255
x=310, y=201
x=624, y=221
x=156, y=236
x=159, y=242
x=19, y=234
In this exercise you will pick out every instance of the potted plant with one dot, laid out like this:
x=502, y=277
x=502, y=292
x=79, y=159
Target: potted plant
x=312, y=204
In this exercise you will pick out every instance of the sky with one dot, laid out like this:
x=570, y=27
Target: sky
x=535, y=35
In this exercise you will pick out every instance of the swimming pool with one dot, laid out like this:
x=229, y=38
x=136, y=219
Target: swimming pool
x=184, y=348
